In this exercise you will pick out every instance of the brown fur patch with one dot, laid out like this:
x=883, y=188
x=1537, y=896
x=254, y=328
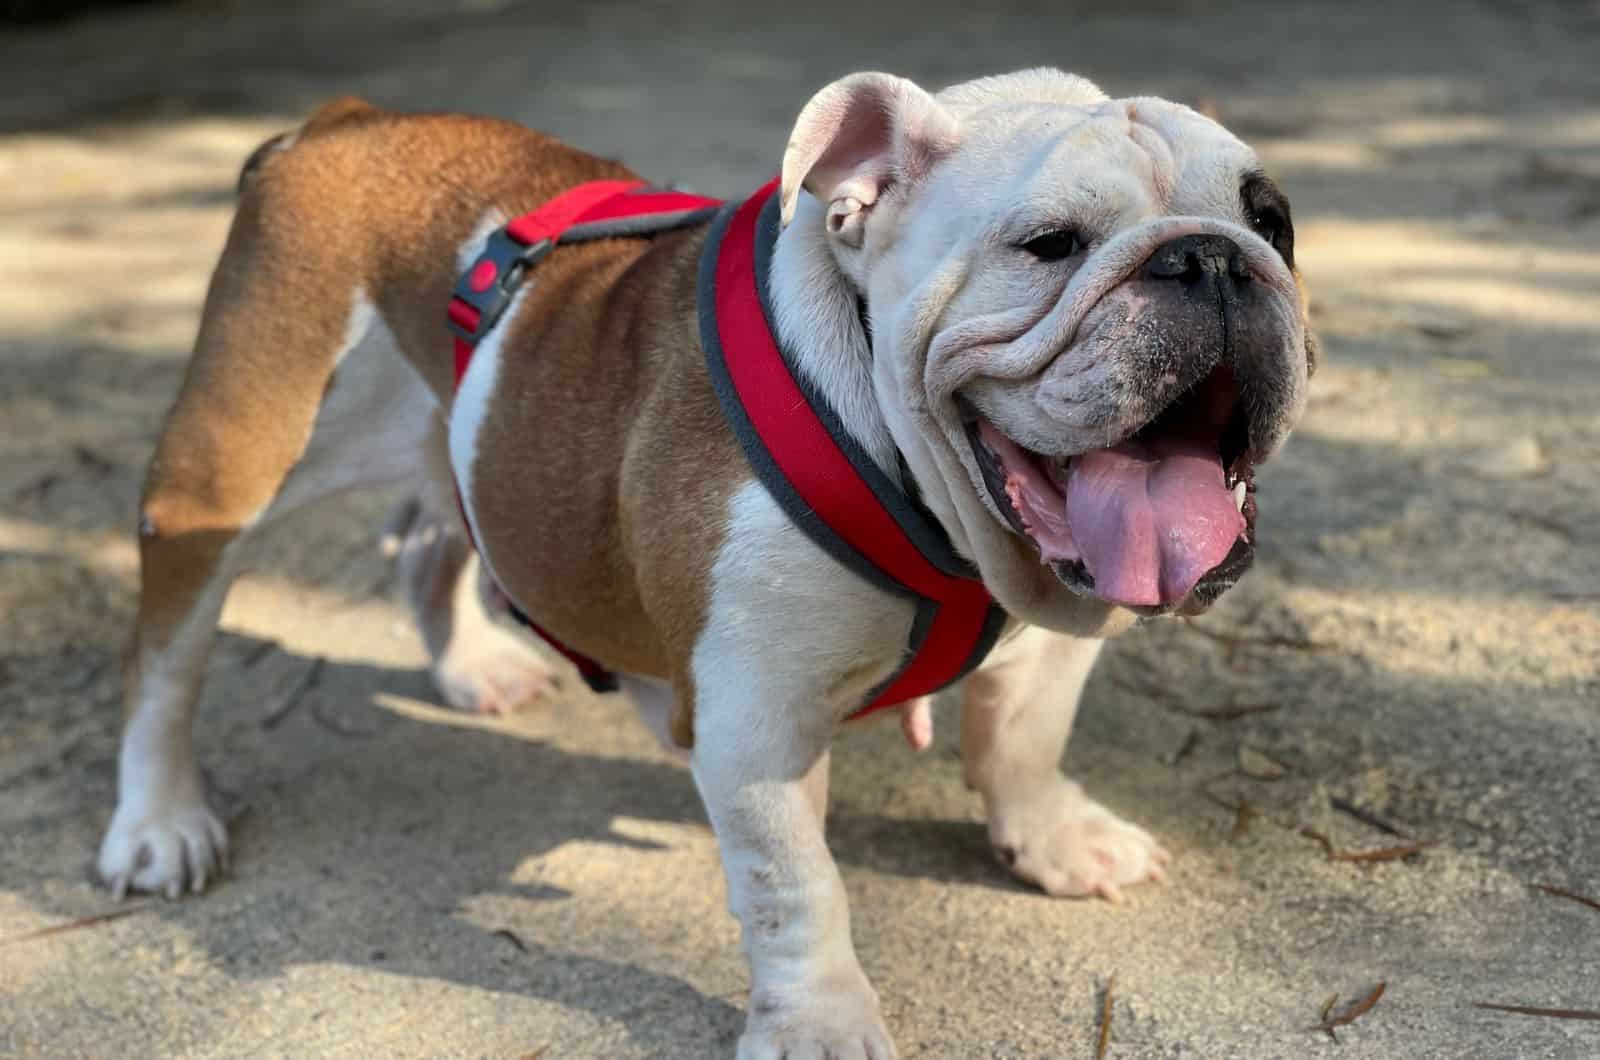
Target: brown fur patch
x=608, y=533
x=1313, y=346
x=605, y=467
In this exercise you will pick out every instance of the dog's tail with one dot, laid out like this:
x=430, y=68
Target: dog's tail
x=334, y=112
x=260, y=155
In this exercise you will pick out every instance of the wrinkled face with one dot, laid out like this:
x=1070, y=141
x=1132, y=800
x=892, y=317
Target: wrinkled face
x=1088, y=332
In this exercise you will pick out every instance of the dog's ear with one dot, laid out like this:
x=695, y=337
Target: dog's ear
x=857, y=137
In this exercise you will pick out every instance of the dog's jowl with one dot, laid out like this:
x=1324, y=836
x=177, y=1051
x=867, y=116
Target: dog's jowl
x=979, y=379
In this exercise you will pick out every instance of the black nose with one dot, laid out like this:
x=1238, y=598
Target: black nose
x=1196, y=259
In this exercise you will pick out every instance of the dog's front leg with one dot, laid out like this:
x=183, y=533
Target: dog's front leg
x=792, y=642
x=764, y=779
x=1016, y=715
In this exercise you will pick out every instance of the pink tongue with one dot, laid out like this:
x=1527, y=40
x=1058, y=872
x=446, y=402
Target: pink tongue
x=1150, y=519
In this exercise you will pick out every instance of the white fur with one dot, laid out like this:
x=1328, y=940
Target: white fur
x=161, y=806
x=923, y=202
x=918, y=202
x=654, y=699
x=479, y=664
x=1016, y=715
x=763, y=721
x=373, y=422
x=1039, y=85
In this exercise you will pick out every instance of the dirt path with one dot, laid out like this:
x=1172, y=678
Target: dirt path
x=1422, y=630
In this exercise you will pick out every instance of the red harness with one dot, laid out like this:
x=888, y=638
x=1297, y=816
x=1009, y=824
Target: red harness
x=793, y=438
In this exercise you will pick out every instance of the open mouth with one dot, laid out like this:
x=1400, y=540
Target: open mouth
x=1163, y=519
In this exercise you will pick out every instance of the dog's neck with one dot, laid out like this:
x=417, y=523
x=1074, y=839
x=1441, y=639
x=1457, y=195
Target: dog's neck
x=818, y=320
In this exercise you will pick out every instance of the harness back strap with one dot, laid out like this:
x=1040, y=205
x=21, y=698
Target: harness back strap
x=817, y=472
x=602, y=209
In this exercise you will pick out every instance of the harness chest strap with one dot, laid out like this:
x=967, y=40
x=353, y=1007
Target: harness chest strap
x=791, y=435
x=820, y=475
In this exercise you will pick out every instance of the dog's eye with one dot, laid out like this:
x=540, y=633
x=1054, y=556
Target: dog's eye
x=1268, y=224
x=1267, y=212
x=1054, y=245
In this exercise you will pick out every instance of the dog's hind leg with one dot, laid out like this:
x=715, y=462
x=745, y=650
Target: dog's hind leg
x=478, y=663
x=291, y=396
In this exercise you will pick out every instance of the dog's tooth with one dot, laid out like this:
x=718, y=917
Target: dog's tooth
x=1238, y=496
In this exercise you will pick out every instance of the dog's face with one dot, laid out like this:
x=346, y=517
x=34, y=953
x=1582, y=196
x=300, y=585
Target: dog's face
x=1087, y=327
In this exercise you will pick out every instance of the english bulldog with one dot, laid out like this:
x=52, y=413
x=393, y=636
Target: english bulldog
x=1069, y=327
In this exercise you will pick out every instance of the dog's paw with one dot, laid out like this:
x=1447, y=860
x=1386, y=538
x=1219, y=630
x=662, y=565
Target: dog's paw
x=165, y=847
x=821, y=1023
x=1068, y=845
x=494, y=673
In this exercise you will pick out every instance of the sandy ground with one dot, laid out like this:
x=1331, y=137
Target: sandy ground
x=1419, y=637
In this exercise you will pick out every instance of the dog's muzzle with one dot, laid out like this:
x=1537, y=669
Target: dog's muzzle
x=1164, y=519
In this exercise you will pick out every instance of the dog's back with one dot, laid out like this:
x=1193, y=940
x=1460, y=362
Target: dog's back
x=387, y=199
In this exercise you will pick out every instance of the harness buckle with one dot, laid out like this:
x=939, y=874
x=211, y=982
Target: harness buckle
x=486, y=289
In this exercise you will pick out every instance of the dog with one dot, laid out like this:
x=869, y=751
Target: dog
x=1053, y=333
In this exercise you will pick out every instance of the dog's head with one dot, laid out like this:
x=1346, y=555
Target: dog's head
x=1087, y=327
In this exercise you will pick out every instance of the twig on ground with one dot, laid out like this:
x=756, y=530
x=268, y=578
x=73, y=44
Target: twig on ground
x=257, y=653
x=1562, y=892
x=1104, y=1041
x=323, y=714
x=1327, y=1007
x=1381, y=854
x=92, y=461
x=87, y=460
x=1350, y=1013
x=1258, y=765
x=1243, y=814
x=1312, y=833
x=1228, y=710
x=1232, y=710
x=1191, y=740
x=1551, y=1013
x=1232, y=643
x=1139, y=688
x=1366, y=817
x=39, y=488
x=511, y=937
x=74, y=925
x=292, y=695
